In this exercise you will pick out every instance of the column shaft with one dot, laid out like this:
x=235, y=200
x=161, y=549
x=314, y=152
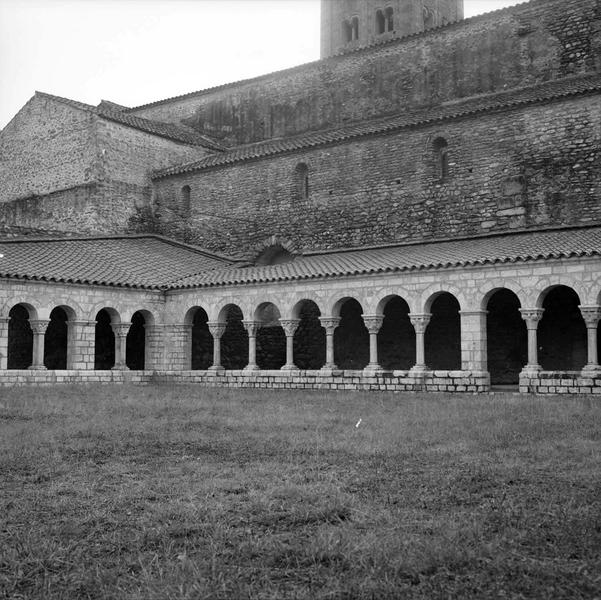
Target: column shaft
x=420, y=324
x=329, y=324
x=533, y=317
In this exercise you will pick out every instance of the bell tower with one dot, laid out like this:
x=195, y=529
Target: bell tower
x=348, y=24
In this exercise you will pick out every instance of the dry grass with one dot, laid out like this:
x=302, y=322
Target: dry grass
x=160, y=493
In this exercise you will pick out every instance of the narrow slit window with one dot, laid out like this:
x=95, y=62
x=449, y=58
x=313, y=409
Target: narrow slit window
x=355, y=26
x=184, y=204
x=380, y=22
x=302, y=181
x=389, y=18
x=441, y=158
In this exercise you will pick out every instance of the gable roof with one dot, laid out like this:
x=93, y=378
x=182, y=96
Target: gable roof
x=549, y=91
x=166, y=130
x=136, y=261
x=501, y=248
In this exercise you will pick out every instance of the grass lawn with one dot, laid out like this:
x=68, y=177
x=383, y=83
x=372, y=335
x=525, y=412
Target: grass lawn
x=181, y=492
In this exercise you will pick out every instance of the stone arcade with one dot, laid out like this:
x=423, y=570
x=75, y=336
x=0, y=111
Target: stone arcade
x=418, y=210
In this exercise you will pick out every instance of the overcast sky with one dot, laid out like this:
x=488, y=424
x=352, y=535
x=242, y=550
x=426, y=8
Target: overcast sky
x=137, y=51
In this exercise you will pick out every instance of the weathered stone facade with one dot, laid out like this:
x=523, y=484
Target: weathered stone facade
x=469, y=132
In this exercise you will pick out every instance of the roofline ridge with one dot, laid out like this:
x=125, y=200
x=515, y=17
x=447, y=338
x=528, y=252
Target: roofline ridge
x=442, y=240
x=342, y=54
x=346, y=132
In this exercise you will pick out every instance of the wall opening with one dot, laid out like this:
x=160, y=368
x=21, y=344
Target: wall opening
x=309, y=337
x=135, y=343
x=380, y=22
x=302, y=181
x=351, y=338
x=184, y=201
x=271, y=339
x=104, y=342
x=396, y=338
x=507, y=338
x=389, y=17
x=274, y=255
x=202, y=342
x=56, y=340
x=562, y=337
x=441, y=158
x=234, y=342
x=443, y=334
x=20, y=338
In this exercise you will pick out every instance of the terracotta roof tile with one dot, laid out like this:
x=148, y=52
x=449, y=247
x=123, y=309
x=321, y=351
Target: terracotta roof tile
x=515, y=247
x=551, y=90
x=166, y=130
x=143, y=261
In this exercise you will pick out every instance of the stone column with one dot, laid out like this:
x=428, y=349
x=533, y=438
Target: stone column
x=329, y=324
x=420, y=323
x=38, y=327
x=217, y=330
x=120, y=330
x=591, y=316
x=290, y=326
x=252, y=327
x=533, y=317
x=4, y=343
x=81, y=339
x=473, y=340
x=373, y=324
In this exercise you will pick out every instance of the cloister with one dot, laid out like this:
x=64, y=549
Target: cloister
x=464, y=329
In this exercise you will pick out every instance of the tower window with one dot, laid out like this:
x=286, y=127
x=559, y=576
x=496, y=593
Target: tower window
x=380, y=22
x=302, y=181
x=347, y=31
x=355, y=25
x=184, y=201
x=389, y=18
x=441, y=158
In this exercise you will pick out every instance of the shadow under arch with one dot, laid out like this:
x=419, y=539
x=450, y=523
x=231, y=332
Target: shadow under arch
x=136, y=344
x=57, y=340
x=20, y=336
x=271, y=339
x=351, y=338
x=234, y=341
x=396, y=338
x=309, y=337
x=443, y=335
x=199, y=354
x=104, y=338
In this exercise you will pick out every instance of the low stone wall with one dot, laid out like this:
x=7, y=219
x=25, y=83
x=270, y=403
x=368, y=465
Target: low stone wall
x=394, y=381
x=553, y=382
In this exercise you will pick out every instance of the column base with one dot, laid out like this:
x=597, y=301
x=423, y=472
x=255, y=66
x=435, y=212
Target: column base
x=290, y=368
x=251, y=368
x=37, y=368
x=373, y=369
x=591, y=371
x=120, y=368
x=418, y=370
x=216, y=369
x=531, y=370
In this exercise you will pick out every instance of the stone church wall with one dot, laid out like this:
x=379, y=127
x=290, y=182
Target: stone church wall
x=532, y=167
x=527, y=44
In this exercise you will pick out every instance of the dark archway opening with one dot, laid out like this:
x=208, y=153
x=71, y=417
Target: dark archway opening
x=507, y=338
x=234, y=342
x=562, y=337
x=56, y=340
x=396, y=338
x=443, y=334
x=309, y=338
x=202, y=342
x=104, y=342
x=351, y=338
x=20, y=339
x=135, y=343
x=271, y=339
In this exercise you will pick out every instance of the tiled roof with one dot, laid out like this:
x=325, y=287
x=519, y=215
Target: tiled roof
x=341, y=54
x=166, y=130
x=140, y=261
x=572, y=86
x=508, y=248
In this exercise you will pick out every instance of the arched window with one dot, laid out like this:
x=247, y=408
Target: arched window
x=380, y=22
x=347, y=31
x=302, y=181
x=389, y=18
x=355, y=27
x=184, y=201
x=441, y=158
x=428, y=17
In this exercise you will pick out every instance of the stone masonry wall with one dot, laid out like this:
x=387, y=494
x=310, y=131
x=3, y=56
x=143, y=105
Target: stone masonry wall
x=529, y=43
x=531, y=167
x=65, y=169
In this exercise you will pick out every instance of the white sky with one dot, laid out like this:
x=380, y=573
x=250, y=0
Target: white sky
x=138, y=51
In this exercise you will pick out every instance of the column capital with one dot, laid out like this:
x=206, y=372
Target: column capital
x=39, y=326
x=420, y=321
x=329, y=323
x=216, y=328
x=252, y=327
x=591, y=315
x=289, y=326
x=373, y=323
x=532, y=316
x=120, y=329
